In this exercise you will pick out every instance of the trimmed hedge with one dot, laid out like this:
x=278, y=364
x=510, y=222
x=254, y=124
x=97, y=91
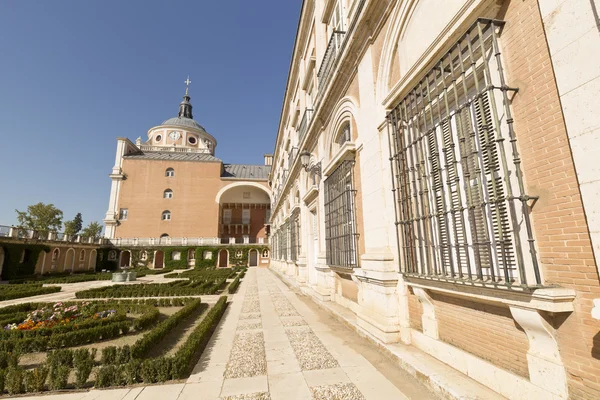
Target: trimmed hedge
x=163, y=368
x=100, y=276
x=234, y=285
x=178, y=288
x=9, y=292
x=143, y=345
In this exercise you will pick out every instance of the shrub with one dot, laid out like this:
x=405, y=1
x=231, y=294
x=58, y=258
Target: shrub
x=8, y=359
x=109, y=355
x=2, y=379
x=148, y=371
x=109, y=375
x=14, y=380
x=60, y=357
x=83, y=360
x=131, y=372
x=163, y=367
x=123, y=354
x=58, y=377
x=35, y=379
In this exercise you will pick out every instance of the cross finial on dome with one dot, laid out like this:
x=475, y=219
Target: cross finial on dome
x=187, y=84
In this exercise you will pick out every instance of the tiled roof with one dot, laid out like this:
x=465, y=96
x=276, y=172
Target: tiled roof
x=157, y=155
x=242, y=171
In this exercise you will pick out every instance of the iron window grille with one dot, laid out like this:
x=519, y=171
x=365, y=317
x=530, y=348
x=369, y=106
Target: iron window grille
x=294, y=235
x=340, y=217
x=460, y=201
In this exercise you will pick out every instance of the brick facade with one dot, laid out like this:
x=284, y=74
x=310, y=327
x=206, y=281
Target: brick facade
x=559, y=221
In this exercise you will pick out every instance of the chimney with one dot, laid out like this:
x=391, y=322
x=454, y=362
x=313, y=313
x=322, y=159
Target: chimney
x=268, y=159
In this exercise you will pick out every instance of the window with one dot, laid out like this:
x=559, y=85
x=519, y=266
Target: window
x=176, y=255
x=295, y=235
x=82, y=255
x=344, y=135
x=461, y=211
x=227, y=216
x=192, y=140
x=168, y=194
x=170, y=172
x=123, y=214
x=340, y=221
x=338, y=18
x=166, y=215
x=164, y=235
x=246, y=217
x=158, y=138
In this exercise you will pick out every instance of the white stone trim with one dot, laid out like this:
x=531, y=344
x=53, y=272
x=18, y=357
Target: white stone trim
x=546, y=369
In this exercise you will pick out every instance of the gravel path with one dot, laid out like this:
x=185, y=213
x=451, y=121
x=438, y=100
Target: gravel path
x=309, y=350
x=339, y=391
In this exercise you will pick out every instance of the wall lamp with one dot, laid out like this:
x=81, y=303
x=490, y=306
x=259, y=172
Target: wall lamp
x=305, y=158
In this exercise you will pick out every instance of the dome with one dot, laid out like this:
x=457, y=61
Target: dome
x=183, y=122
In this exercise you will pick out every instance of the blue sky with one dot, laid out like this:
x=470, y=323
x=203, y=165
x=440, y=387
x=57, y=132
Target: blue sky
x=74, y=75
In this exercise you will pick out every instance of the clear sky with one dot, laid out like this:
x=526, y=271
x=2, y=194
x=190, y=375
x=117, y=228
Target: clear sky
x=74, y=75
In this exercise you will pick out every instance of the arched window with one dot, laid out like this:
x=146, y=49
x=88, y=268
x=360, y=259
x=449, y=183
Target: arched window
x=170, y=172
x=164, y=235
x=344, y=135
x=168, y=194
x=166, y=215
x=82, y=255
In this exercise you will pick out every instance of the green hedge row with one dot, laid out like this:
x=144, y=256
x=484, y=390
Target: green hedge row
x=69, y=339
x=146, y=342
x=163, y=368
x=100, y=276
x=178, y=288
x=233, y=286
x=9, y=292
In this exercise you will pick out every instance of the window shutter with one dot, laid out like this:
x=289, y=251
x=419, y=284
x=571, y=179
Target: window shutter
x=494, y=186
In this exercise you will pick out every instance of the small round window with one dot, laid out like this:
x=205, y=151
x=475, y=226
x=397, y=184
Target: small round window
x=192, y=140
x=158, y=138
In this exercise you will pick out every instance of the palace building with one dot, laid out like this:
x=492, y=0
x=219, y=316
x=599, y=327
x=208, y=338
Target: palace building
x=172, y=188
x=435, y=183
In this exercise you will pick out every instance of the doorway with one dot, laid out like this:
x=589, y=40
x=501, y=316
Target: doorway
x=253, y=258
x=159, y=259
x=223, y=259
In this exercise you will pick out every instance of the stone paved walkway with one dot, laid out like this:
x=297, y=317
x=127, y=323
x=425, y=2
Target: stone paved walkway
x=273, y=345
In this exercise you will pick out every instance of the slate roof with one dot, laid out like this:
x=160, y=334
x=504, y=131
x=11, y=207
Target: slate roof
x=185, y=122
x=158, y=155
x=246, y=172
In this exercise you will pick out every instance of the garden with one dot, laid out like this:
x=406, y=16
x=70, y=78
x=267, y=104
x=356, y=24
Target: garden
x=54, y=346
x=122, y=339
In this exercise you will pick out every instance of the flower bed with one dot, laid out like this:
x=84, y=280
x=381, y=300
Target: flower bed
x=9, y=292
x=60, y=315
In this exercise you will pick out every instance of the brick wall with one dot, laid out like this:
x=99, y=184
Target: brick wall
x=415, y=312
x=560, y=226
x=484, y=330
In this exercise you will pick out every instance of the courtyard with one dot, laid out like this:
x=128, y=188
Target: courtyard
x=270, y=344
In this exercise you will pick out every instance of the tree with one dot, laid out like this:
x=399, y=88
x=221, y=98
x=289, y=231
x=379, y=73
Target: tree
x=73, y=227
x=40, y=217
x=92, y=230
